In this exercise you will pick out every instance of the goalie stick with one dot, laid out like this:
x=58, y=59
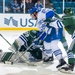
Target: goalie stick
x=4, y=39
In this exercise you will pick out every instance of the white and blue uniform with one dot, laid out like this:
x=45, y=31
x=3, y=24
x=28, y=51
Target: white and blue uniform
x=53, y=32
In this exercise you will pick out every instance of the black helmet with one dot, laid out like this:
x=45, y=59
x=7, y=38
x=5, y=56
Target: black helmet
x=68, y=10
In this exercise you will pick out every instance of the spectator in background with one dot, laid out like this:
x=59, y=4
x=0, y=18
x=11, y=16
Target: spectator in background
x=26, y=3
x=22, y=6
x=34, y=1
x=29, y=5
x=15, y=7
x=19, y=2
x=49, y=4
x=38, y=4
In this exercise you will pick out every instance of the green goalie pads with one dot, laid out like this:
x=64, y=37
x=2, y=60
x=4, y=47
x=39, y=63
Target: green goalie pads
x=6, y=56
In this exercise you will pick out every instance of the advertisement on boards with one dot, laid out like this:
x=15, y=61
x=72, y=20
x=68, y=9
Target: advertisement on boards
x=16, y=21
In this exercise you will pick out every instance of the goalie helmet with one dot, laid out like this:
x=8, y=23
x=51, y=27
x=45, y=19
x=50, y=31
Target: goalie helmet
x=68, y=10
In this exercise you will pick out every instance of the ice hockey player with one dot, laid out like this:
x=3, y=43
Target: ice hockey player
x=64, y=41
x=25, y=40
x=69, y=22
x=53, y=31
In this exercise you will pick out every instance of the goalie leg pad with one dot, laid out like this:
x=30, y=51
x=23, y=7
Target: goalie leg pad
x=16, y=45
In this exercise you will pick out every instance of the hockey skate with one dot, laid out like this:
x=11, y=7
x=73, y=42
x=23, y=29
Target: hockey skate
x=48, y=60
x=62, y=64
x=67, y=69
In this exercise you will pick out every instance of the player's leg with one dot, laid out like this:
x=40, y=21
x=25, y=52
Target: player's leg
x=47, y=53
x=71, y=59
x=70, y=53
x=16, y=44
x=58, y=53
x=64, y=42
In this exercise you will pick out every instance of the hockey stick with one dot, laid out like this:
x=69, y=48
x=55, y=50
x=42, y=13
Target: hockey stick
x=4, y=39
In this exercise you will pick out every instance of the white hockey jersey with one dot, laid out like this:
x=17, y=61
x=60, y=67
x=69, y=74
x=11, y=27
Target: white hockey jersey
x=54, y=29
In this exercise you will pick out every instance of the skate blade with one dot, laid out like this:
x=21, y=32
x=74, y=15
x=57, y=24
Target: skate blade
x=67, y=72
x=59, y=68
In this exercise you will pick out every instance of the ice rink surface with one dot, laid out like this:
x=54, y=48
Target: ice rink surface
x=22, y=69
